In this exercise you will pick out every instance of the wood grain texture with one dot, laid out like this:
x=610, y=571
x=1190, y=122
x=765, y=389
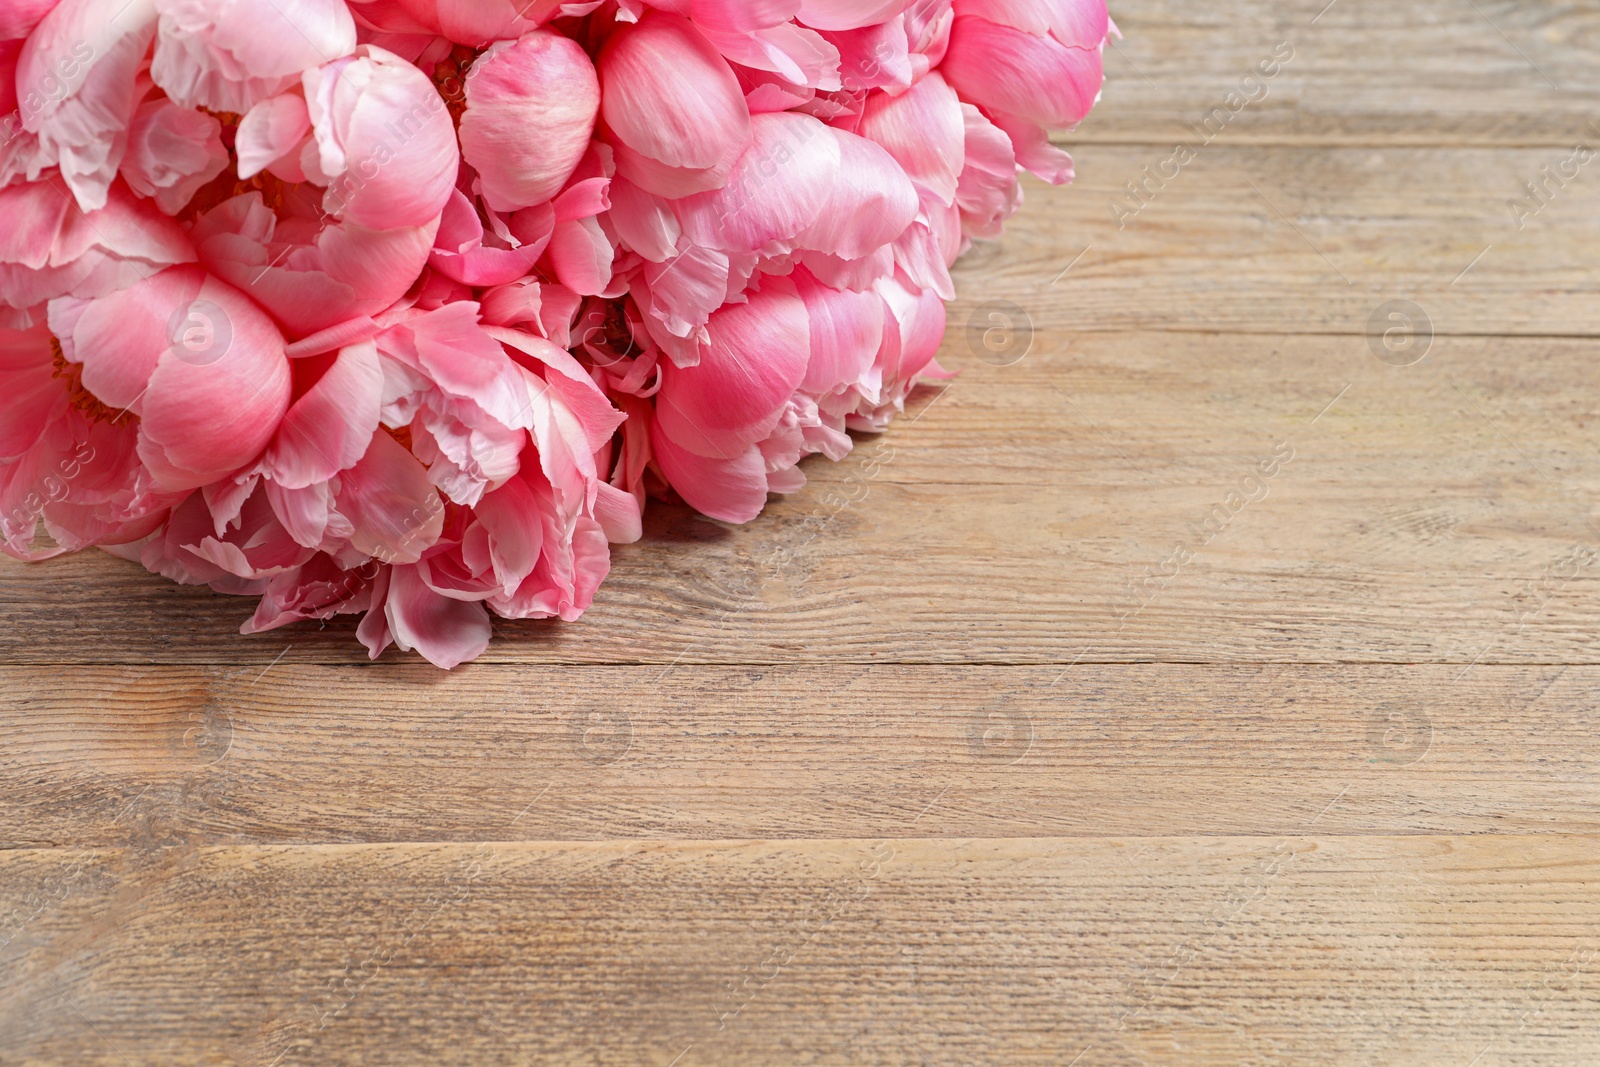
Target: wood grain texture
x=1431, y=513
x=1495, y=72
x=1218, y=951
x=1188, y=682
x=175, y=757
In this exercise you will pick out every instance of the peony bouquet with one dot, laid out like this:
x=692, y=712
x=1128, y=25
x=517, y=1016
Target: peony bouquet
x=405, y=308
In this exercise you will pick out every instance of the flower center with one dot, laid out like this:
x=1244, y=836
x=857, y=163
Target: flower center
x=401, y=434
x=81, y=399
x=450, y=78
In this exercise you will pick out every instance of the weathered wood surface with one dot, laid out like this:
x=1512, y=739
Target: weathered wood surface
x=982, y=749
x=1443, y=511
x=1291, y=949
x=182, y=756
x=1366, y=72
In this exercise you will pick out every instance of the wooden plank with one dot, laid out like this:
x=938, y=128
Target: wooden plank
x=1300, y=240
x=1439, y=512
x=170, y=756
x=1218, y=951
x=1359, y=72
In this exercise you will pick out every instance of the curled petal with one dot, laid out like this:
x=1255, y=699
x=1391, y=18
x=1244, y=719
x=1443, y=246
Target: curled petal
x=447, y=632
x=329, y=428
x=672, y=106
x=385, y=142
x=531, y=107
x=172, y=152
x=394, y=511
x=77, y=88
x=1037, y=79
x=270, y=131
x=755, y=360
x=731, y=489
x=227, y=55
x=219, y=388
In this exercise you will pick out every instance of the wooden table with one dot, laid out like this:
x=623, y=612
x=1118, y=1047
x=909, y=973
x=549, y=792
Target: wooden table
x=1207, y=676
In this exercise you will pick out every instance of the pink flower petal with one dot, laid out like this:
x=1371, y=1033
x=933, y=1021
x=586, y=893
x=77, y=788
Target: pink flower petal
x=531, y=107
x=330, y=428
x=1038, y=79
x=445, y=631
x=756, y=359
x=669, y=99
x=924, y=131
x=395, y=511
x=227, y=55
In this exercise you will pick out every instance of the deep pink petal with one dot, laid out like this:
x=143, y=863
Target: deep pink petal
x=1002, y=69
x=731, y=489
x=756, y=359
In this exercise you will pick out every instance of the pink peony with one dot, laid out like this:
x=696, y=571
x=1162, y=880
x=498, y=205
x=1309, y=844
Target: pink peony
x=405, y=309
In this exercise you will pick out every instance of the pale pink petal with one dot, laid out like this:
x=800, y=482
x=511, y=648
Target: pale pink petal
x=531, y=107
x=462, y=358
x=331, y=426
x=172, y=153
x=989, y=192
x=395, y=511
x=270, y=131
x=310, y=281
x=77, y=88
x=643, y=221
x=618, y=514
x=777, y=190
x=384, y=140
x=797, y=55
x=445, y=631
x=873, y=57
x=846, y=334
x=923, y=130
x=870, y=204
x=228, y=55
x=669, y=99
